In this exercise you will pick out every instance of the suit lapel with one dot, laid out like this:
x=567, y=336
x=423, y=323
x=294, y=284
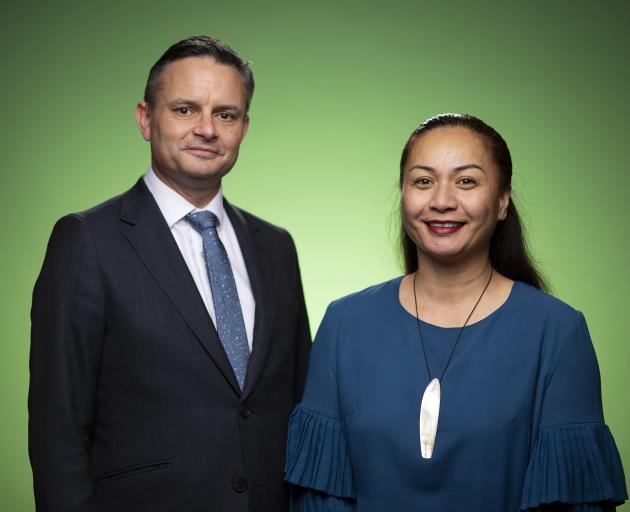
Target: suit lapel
x=147, y=232
x=248, y=239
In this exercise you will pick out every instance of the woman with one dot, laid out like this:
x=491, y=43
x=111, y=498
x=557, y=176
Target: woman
x=462, y=385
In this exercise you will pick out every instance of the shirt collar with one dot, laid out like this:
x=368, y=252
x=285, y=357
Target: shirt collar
x=175, y=207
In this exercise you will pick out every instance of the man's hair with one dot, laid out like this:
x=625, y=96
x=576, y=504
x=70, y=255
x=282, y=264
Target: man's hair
x=200, y=46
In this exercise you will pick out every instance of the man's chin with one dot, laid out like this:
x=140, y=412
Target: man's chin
x=203, y=169
x=204, y=175
x=191, y=178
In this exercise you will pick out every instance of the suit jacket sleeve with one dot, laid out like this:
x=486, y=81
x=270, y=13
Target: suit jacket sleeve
x=302, y=333
x=67, y=332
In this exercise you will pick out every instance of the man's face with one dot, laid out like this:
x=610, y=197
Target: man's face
x=197, y=123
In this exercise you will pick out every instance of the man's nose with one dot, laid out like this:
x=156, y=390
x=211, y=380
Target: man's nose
x=205, y=127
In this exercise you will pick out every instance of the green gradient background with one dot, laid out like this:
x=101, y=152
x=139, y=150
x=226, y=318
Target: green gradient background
x=340, y=85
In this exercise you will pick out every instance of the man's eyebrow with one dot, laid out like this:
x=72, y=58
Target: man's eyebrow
x=459, y=168
x=228, y=106
x=183, y=101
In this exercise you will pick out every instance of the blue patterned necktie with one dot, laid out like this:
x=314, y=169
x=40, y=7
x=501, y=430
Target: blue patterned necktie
x=227, y=307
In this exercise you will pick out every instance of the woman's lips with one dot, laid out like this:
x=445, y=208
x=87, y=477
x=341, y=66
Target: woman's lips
x=443, y=227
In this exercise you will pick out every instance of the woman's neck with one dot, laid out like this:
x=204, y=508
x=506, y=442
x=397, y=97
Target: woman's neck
x=446, y=294
x=451, y=284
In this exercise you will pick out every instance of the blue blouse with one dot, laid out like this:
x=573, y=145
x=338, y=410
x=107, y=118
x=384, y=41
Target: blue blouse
x=521, y=422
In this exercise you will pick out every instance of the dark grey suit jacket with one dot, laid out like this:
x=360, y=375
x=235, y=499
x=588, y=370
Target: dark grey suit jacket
x=133, y=404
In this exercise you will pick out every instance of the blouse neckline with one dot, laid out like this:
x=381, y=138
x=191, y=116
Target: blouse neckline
x=396, y=289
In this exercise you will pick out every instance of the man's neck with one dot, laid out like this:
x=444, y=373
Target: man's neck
x=199, y=194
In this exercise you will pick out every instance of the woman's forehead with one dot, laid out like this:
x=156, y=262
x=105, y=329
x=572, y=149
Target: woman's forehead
x=451, y=146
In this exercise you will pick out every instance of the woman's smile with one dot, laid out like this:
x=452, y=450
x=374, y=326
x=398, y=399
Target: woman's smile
x=444, y=227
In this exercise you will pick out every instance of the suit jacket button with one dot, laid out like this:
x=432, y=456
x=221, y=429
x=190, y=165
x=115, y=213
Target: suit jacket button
x=245, y=412
x=240, y=484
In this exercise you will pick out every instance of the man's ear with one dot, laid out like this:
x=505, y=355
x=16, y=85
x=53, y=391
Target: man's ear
x=245, y=126
x=143, y=118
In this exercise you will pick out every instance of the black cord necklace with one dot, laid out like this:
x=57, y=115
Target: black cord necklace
x=430, y=405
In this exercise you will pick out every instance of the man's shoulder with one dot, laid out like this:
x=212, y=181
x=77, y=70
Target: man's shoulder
x=260, y=226
x=106, y=209
x=100, y=222
x=114, y=207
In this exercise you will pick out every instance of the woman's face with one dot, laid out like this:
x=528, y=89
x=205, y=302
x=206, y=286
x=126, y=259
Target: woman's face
x=451, y=199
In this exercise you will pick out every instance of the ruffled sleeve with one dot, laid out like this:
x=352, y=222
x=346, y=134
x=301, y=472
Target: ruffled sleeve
x=318, y=461
x=575, y=465
x=317, y=454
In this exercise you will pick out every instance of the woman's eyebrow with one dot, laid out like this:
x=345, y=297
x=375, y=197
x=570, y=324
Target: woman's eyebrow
x=459, y=168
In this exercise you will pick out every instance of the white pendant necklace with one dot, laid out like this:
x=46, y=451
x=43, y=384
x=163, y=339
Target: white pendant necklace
x=430, y=404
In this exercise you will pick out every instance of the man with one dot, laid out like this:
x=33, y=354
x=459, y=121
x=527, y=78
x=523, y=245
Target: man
x=169, y=332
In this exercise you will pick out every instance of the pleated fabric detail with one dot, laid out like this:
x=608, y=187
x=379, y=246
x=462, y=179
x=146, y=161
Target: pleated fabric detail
x=317, y=454
x=574, y=464
x=307, y=500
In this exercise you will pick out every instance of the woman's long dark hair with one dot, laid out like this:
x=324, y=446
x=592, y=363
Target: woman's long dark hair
x=509, y=254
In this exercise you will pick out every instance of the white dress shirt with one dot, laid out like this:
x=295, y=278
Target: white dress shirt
x=175, y=208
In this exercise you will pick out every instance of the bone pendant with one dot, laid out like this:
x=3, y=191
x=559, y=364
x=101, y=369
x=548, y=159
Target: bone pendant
x=429, y=415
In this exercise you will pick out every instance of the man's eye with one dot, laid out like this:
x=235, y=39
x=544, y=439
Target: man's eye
x=226, y=116
x=183, y=111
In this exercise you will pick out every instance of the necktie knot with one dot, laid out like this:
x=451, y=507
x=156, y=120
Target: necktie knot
x=202, y=221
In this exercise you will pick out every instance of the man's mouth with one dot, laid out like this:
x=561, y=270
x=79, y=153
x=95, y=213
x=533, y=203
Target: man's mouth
x=202, y=151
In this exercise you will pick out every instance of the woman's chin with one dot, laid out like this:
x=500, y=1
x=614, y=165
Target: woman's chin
x=453, y=255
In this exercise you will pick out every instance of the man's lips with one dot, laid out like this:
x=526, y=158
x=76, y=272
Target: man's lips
x=202, y=151
x=443, y=227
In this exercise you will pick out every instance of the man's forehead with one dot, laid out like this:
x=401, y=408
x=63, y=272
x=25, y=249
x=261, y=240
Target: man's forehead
x=201, y=75
x=197, y=64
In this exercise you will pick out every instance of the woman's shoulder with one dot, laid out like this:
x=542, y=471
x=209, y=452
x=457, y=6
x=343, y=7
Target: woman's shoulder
x=532, y=303
x=376, y=295
x=364, y=305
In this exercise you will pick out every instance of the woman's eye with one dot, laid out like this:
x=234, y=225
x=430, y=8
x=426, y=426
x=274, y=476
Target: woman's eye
x=468, y=182
x=422, y=181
